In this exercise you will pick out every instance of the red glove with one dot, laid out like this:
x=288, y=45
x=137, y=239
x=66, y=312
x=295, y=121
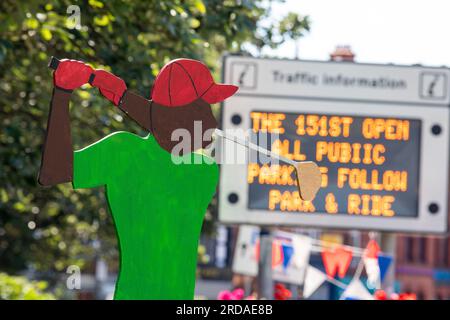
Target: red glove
x=71, y=74
x=110, y=86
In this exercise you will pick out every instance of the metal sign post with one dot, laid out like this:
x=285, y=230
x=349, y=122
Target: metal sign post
x=388, y=246
x=265, y=282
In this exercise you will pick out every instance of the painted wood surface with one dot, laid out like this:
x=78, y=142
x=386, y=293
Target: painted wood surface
x=158, y=209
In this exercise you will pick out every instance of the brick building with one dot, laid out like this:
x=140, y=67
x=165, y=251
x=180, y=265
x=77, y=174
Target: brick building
x=423, y=266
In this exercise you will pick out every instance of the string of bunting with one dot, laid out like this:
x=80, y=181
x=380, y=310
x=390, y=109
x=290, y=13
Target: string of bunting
x=291, y=262
x=336, y=260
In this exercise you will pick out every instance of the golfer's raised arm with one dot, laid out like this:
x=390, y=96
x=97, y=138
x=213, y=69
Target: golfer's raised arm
x=137, y=108
x=57, y=155
x=115, y=90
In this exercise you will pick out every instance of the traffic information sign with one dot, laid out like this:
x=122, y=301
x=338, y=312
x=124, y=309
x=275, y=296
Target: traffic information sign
x=379, y=134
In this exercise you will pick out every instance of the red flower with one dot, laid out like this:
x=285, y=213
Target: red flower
x=281, y=293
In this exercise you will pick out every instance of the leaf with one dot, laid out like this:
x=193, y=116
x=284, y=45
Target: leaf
x=19, y=206
x=102, y=21
x=3, y=196
x=194, y=23
x=46, y=34
x=200, y=6
x=32, y=23
x=96, y=4
x=84, y=94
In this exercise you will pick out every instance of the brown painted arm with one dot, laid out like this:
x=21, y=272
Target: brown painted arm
x=57, y=155
x=137, y=108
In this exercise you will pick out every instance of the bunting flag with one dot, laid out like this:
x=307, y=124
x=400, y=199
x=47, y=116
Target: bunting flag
x=302, y=250
x=277, y=253
x=372, y=250
x=336, y=261
x=313, y=280
x=245, y=259
x=292, y=251
x=384, y=262
x=371, y=265
x=356, y=291
x=373, y=272
x=288, y=251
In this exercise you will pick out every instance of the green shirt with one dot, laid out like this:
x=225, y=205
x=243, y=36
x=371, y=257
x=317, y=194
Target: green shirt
x=158, y=208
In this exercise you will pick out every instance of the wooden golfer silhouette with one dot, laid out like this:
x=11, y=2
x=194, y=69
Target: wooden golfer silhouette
x=157, y=204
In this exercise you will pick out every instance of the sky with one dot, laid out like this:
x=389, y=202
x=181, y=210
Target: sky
x=378, y=31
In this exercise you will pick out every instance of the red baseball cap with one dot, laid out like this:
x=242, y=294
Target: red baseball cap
x=182, y=81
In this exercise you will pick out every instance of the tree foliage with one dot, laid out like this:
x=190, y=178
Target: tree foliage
x=51, y=228
x=20, y=288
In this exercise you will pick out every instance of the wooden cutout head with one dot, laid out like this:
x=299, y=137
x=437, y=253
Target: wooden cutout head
x=165, y=120
x=309, y=179
x=181, y=95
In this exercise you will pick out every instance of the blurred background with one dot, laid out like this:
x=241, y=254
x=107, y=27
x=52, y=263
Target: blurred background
x=48, y=235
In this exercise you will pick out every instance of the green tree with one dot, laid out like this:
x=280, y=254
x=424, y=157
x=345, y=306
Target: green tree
x=50, y=228
x=293, y=27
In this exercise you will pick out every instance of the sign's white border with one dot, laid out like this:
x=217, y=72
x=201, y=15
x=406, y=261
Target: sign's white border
x=434, y=162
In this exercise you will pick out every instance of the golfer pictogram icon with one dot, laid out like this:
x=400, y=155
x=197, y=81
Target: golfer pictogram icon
x=157, y=205
x=433, y=85
x=244, y=75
